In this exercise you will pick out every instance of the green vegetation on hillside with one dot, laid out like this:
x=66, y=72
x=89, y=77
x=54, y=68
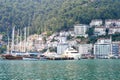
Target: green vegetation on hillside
x=2, y=49
x=54, y=15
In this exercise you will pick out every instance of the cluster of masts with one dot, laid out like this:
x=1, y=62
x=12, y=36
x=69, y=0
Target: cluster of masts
x=18, y=41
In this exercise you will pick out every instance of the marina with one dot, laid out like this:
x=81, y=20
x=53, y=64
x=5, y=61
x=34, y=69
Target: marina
x=59, y=40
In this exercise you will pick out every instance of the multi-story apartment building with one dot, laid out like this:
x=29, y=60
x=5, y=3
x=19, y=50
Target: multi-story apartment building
x=80, y=30
x=102, y=49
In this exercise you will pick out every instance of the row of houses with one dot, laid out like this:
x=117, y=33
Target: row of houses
x=112, y=26
x=102, y=30
x=106, y=23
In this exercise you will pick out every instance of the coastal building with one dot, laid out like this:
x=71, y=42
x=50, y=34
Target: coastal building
x=38, y=44
x=99, y=30
x=85, y=49
x=63, y=33
x=52, y=44
x=109, y=22
x=118, y=22
x=115, y=48
x=61, y=47
x=62, y=39
x=80, y=30
x=96, y=22
x=71, y=33
x=113, y=30
x=72, y=42
x=112, y=22
x=102, y=49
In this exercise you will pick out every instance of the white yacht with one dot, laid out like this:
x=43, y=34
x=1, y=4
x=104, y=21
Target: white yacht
x=50, y=54
x=72, y=53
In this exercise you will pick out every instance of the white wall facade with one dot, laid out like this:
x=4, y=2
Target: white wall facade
x=80, y=30
x=85, y=48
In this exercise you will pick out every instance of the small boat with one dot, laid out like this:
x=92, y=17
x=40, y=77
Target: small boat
x=30, y=59
x=31, y=56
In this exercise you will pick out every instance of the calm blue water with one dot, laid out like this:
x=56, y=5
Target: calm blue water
x=60, y=70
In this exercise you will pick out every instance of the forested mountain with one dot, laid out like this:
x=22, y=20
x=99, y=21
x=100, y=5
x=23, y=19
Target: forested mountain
x=54, y=15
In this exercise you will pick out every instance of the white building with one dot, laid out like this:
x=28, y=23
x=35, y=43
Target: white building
x=80, y=30
x=96, y=22
x=52, y=44
x=63, y=33
x=112, y=22
x=72, y=42
x=99, y=30
x=61, y=39
x=118, y=23
x=85, y=49
x=104, y=41
x=61, y=47
x=102, y=30
x=113, y=30
x=102, y=49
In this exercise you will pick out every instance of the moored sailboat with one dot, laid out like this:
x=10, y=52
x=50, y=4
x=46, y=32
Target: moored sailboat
x=10, y=55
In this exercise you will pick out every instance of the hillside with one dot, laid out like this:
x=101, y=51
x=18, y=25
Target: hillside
x=54, y=15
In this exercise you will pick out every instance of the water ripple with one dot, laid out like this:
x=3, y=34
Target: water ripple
x=60, y=70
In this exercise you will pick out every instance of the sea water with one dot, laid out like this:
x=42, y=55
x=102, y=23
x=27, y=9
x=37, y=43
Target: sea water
x=105, y=69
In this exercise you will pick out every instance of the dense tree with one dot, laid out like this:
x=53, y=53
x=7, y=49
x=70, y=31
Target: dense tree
x=107, y=31
x=90, y=31
x=2, y=49
x=54, y=15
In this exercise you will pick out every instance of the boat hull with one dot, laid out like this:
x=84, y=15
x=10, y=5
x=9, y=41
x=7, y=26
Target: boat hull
x=11, y=57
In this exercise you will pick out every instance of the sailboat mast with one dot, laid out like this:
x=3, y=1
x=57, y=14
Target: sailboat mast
x=17, y=40
x=111, y=44
x=25, y=39
x=12, y=46
x=17, y=37
x=8, y=46
x=27, y=43
x=20, y=40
